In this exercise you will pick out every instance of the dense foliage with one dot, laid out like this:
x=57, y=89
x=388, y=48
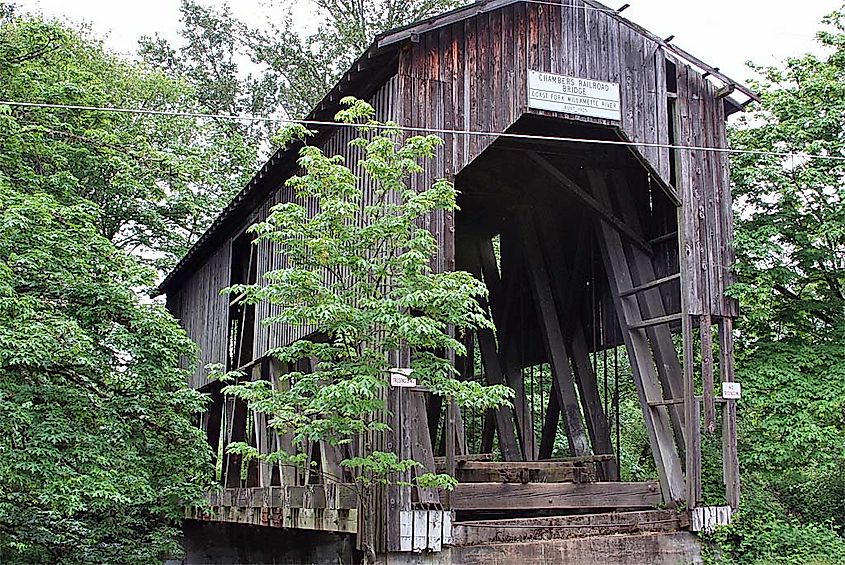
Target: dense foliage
x=790, y=242
x=295, y=66
x=98, y=452
x=362, y=283
x=157, y=181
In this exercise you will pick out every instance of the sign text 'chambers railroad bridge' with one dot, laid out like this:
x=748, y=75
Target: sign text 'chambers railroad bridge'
x=611, y=255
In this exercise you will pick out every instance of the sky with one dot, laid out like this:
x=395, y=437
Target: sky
x=723, y=33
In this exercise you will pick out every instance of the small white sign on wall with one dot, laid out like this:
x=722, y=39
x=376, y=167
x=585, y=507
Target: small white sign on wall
x=573, y=95
x=401, y=377
x=731, y=391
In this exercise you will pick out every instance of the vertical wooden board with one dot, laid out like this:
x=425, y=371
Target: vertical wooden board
x=432, y=55
x=469, y=85
x=627, y=88
x=730, y=459
x=568, y=39
x=615, y=55
x=697, y=183
x=709, y=187
x=662, y=113
x=543, y=42
x=689, y=225
x=603, y=63
x=521, y=65
x=580, y=48
x=553, y=17
x=655, y=98
x=532, y=46
x=510, y=96
x=731, y=307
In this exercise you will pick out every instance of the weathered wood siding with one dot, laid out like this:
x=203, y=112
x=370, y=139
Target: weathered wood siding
x=705, y=191
x=269, y=257
x=204, y=313
x=472, y=75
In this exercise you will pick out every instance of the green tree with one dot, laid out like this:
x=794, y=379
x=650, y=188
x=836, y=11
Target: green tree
x=98, y=451
x=158, y=181
x=296, y=67
x=790, y=242
x=359, y=276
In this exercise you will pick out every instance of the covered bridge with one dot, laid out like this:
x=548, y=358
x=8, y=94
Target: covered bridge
x=614, y=234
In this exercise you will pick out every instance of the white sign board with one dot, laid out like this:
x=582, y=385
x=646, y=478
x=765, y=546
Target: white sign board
x=731, y=391
x=572, y=95
x=401, y=377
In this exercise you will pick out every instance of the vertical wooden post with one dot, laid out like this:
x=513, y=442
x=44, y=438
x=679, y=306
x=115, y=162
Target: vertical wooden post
x=706, y=328
x=555, y=347
x=596, y=418
x=691, y=415
x=450, y=436
x=656, y=417
x=730, y=457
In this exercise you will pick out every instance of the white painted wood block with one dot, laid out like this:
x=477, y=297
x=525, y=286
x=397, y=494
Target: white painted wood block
x=425, y=530
x=706, y=518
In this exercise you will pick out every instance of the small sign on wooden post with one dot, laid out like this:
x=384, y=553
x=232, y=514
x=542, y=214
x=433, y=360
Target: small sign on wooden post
x=731, y=391
x=401, y=377
x=573, y=95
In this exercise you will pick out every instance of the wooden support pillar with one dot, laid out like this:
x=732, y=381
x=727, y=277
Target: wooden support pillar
x=651, y=305
x=706, y=328
x=657, y=422
x=493, y=369
x=593, y=409
x=550, y=424
x=504, y=415
x=555, y=347
x=501, y=298
x=563, y=286
x=730, y=458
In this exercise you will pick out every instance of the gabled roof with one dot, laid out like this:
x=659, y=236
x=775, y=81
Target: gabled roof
x=366, y=75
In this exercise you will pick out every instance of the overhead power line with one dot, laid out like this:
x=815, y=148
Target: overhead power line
x=443, y=131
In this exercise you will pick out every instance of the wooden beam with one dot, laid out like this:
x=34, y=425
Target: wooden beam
x=493, y=370
x=500, y=299
x=550, y=423
x=651, y=305
x=650, y=322
x=706, y=328
x=563, y=286
x=657, y=423
x=591, y=401
x=526, y=472
x=730, y=458
x=555, y=347
x=506, y=497
x=522, y=530
x=649, y=285
x=593, y=204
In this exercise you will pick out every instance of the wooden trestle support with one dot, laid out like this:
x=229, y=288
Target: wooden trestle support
x=529, y=267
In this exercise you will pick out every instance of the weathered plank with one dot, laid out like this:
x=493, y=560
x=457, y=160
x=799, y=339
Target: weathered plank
x=554, y=343
x=656, y=418
x=547, y=496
